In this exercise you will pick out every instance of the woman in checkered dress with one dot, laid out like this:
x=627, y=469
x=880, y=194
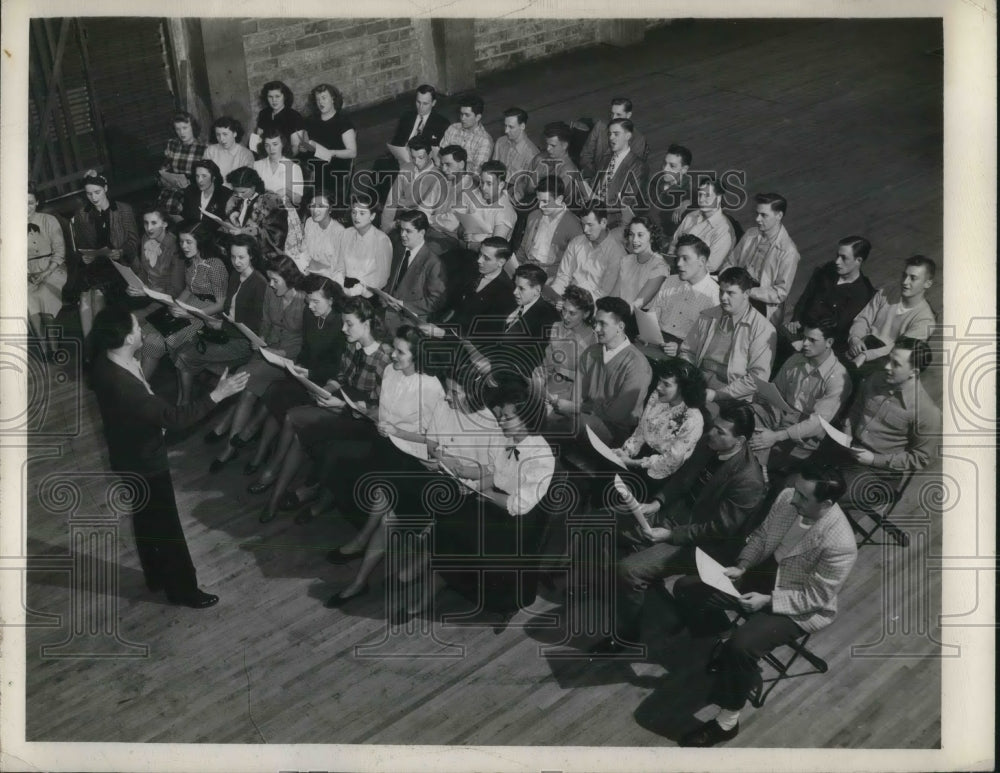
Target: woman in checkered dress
x=205, y=288
x=179, y=158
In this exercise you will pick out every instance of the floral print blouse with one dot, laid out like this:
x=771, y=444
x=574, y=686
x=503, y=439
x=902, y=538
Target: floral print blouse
x=672, y=432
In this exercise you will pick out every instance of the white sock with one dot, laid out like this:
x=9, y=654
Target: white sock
x=727, y=719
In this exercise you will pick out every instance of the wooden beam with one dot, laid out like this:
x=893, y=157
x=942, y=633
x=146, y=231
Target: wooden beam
x=50, y=100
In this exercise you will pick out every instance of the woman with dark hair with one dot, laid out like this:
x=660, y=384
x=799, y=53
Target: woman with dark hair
x=280, y=175
x=330, y=142
x=179, y=158
x=517, y=477
x=254, y=212
x=103, y=230
x=46, y=268
x=206, y=197
x=556, y=376
x=365, y=252
x=278, y=114
x=281, y=330
x=408, y=399
x=643, y=268
x=204, y=288
x=323, y=343
x=227, y=346
x=671, y=422
x=321, y=235
x=227, y=152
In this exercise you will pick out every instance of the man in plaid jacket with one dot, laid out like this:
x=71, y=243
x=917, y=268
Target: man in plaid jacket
x=790, y=572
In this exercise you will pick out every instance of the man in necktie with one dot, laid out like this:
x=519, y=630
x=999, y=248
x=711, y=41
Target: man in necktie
x=417, y=277
x=422, y=122
x=621, y=184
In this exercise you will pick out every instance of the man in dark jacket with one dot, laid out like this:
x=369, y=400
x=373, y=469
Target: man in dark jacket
x=709, y=503
x=135, y=421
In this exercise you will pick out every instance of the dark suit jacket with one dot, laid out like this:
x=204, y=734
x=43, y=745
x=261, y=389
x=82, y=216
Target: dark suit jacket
x=628, y=184
x=568, y=228
x=595, y=152
x=432, y=131
x=726, y=509
x=484, y=312
x=526, y=338
x=216, y=205
x=134, y=420
x=422, y=286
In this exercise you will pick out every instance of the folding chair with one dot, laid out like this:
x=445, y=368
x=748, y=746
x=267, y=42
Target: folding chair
x=879, y=515
x=782, y=668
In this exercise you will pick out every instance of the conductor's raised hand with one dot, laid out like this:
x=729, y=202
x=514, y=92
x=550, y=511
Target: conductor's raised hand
x=230, y=385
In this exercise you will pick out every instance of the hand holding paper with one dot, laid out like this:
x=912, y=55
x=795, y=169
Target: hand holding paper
x=713, y=574
x=602, y=448
x=835, y=434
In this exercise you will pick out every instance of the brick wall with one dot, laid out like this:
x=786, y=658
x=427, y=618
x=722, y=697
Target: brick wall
x=369, y=60
x=503, y=43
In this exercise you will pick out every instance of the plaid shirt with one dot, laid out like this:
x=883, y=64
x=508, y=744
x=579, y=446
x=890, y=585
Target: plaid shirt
x=360, y=374
x=517, y=158
x=179, y=159
x=477, y=143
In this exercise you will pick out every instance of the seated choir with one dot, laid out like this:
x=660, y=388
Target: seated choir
x=471, y=341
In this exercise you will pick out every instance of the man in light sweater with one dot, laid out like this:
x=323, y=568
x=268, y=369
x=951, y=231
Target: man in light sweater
x=614, y=378
x=790, y=572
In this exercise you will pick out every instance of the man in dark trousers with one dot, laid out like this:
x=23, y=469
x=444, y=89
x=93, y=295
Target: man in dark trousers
x=135, y=421
x=709, y=503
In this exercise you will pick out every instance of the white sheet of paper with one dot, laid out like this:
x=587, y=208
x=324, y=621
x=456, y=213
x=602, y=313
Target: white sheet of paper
x=210, y=216
x=255, y=339
x=624, y=490
x=835, y=434
x=129, y=276
x=418, y=450
x=196, y=311
x=710, y=573
x=253, y=142
x=157, y=296
x=471, y=222
x=769, y=393
x=274, y=359
x=601, y=447
x=313, y=389
x=649, y=327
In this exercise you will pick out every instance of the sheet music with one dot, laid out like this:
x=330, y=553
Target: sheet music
x=274, y=359
x=649, y=326
x=254, y=339
x=601, y=447
x=129, y=276
x=210, y=216
x=196, y=311
x=471, y=222
x=770, y=394
x=158, y=296
x=313, y=389
x=390, y=301
x=835, y=434
x=622, y=489
x=354, y=406
x=710, y=573
x=410, y=447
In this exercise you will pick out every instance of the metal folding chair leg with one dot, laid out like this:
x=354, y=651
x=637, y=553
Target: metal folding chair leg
x=782, y=668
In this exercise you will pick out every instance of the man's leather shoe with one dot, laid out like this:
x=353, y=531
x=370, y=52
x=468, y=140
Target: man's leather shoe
x=197, y=600
x=708, y=734
x=336, y=601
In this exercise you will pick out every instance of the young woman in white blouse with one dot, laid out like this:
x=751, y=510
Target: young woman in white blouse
x=281, y=176
x=321, y=240
x=519, y=470
x=408, y=400
x=365, y=251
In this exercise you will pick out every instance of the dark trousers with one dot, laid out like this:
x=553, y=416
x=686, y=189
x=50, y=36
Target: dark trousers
x=159, y=539
x=704, y=609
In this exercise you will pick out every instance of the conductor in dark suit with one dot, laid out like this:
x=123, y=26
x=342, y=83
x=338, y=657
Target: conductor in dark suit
x=417, y=276
x=135, y=421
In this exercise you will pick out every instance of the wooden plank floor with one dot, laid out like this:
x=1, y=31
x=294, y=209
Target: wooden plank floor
x=844, y=118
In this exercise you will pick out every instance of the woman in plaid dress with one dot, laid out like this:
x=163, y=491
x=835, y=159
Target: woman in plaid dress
x=178, y=159
x=204, y=288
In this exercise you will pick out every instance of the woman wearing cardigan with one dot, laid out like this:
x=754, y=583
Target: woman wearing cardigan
x=103, y=230
x=244, y=304
x=281, y=329
x=570, y=336
x=159, y=265
x=323, y=343
x=207, y=193
x=205, y=283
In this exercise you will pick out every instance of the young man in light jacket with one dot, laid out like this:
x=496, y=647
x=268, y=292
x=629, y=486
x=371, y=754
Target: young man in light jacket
x=790, y=572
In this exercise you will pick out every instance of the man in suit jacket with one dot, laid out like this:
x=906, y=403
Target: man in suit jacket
x=791, y=570
x=549, y=229
x=135, y=421
x=423, y=122
x=709, y=503
x=417, y=277
x=595, y=151
x=620, y=184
